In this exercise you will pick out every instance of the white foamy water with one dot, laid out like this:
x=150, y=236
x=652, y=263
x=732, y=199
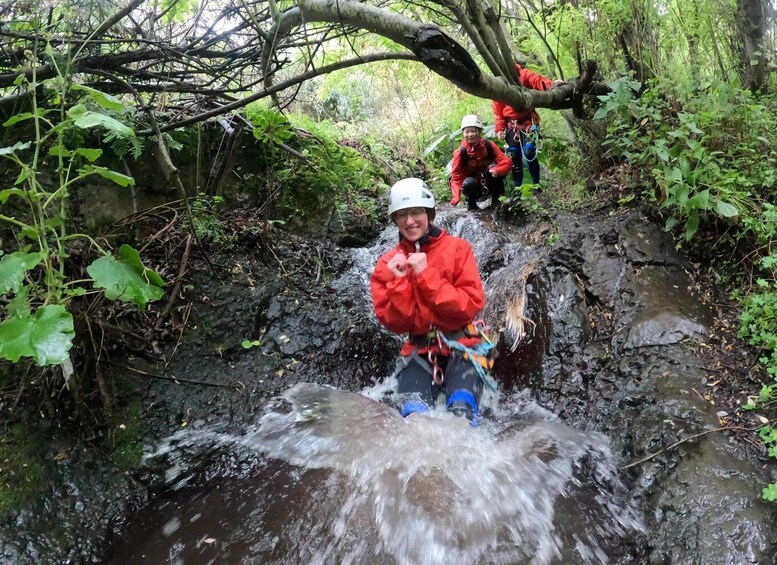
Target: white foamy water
x=433, y=489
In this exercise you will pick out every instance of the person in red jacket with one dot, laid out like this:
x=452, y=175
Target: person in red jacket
x=479, y=166
x=428, y=287
x=521, y=128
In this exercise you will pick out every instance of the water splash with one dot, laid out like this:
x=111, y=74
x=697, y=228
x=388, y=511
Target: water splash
x=361, y=484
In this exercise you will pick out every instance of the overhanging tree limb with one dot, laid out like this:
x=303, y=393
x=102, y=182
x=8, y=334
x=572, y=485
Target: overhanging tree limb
x=435, y=49
x=282, y=86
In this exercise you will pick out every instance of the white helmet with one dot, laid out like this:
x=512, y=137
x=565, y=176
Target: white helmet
x=410, y=193
x=471, y=121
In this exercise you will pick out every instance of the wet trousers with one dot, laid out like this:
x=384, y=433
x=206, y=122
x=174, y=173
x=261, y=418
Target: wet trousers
x=521, y=146
x=474, y=189
x=462, y=386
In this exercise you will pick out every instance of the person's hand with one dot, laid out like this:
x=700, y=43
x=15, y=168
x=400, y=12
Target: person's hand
x=501, y=134
x=557, y=83
x=417, y=261
x=398, y=265
x=454, y=200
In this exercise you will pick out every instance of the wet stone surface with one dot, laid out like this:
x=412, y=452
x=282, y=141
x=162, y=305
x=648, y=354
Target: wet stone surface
x=627, y=361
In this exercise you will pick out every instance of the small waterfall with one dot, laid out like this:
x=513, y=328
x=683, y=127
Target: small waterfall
x=328, y=476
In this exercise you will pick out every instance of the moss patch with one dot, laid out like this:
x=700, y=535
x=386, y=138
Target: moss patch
x=21, y=470
x=127, y=437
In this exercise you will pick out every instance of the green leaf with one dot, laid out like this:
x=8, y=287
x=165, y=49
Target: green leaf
x=19, y=307
x=126, y=279
x=726, y=210
x=8, y=192
x=770, y=492
x=46, y=336
x=13, y=267
x=699, y=200
x=86, y=119
x=118, y=178
x=17, y=118
x=59, y=151
x=90, y=155
x=601, y=113
x=18, y=146
x=101, y=98
x=691, y=225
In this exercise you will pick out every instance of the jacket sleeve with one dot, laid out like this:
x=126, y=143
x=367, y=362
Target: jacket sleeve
x=502, y=163
x=453, y=305
x=392, y=297
x=457, y=175
x=530, y=79
x=500, y=124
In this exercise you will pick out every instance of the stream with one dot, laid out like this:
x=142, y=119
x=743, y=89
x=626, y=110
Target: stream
x=344, y=479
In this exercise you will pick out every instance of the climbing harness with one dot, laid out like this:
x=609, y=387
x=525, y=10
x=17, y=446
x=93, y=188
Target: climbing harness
x=484, y=186
x=532, y=136
x=481, y=355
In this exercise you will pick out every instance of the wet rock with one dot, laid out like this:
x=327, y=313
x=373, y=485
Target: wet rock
x=712, y=512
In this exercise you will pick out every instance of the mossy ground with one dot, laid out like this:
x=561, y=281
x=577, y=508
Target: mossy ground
x=21, y=470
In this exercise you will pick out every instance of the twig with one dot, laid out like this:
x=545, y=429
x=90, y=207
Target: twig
x=177, y=287
x=180, y=335
x=675, y=444
x=175, y=379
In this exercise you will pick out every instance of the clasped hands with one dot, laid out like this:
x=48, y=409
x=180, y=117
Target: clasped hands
x=400, y=263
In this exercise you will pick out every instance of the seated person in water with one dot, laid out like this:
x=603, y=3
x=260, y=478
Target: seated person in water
x=429, y=287
x=479, y=166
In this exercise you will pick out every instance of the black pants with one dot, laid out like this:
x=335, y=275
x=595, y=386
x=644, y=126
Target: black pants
x=474, y=189
x=462, y=386
x=516, y=141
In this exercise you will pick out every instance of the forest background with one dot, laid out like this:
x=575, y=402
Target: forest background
x=665, y=104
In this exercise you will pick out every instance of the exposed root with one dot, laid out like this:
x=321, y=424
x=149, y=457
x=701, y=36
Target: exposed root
x=515, y=320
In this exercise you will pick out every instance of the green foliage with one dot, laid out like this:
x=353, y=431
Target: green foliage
x=708, y=153
x=45, y=336
x=683, y=145
x=206, y=221
x=35, y=322
x=249, y=343
x=126, y=279
x=758, y=323
x=331, y=175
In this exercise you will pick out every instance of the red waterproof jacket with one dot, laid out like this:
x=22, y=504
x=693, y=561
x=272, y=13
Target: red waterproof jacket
x=503, y=114
x=477, y=163
x=445, y=296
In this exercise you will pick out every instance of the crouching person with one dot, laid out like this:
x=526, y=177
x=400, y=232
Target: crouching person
x=429, y=288
x=478, y=167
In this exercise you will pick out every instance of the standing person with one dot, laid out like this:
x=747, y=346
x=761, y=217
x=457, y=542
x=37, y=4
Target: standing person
x=429, y=288
x=479, y=166
x=521, y=129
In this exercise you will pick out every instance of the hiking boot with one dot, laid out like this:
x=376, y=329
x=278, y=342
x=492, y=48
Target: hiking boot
x=462, y=409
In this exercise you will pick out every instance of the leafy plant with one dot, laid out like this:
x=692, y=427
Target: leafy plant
x=205, y=219
x=331, y=174
x=36, y=322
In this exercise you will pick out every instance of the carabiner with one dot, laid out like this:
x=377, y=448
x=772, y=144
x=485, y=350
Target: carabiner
x=480, y=326
x=437, y=375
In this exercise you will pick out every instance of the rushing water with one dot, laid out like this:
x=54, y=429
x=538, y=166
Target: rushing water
x=342, y=478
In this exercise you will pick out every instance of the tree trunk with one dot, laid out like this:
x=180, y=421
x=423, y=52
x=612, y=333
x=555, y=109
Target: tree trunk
x=751, y=21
